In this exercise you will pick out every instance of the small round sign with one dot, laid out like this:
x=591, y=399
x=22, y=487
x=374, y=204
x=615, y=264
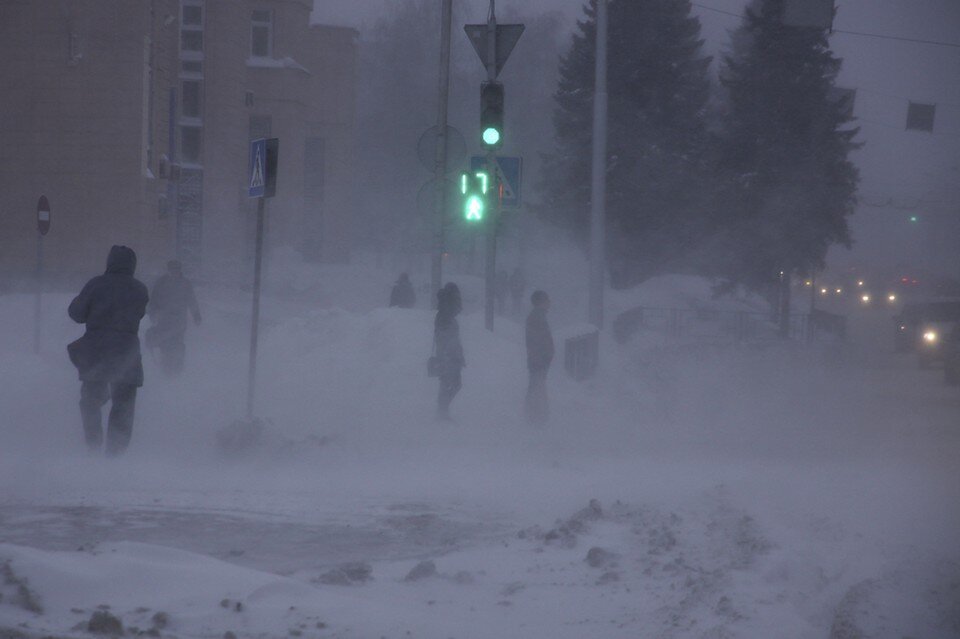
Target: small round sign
x=43, y=215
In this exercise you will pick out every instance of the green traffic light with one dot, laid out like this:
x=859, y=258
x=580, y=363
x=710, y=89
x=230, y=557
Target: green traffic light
x=491, y=136
x=914, y=218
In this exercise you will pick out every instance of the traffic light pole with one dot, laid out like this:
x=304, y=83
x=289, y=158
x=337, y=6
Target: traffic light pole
x=440, y=169
x=598, y=195
x=493, y=199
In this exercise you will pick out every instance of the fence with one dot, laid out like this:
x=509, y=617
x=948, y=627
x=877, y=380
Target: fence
x=581, y=353
x=735, y=325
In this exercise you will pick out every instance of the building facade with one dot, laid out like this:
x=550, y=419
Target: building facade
x=134, y=119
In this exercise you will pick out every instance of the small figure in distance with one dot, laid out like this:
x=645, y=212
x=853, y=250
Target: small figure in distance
x=170, y=300
x=447, y=347
x=539, y=357
x=108, y=355
x=402, y=295
x=518, y=287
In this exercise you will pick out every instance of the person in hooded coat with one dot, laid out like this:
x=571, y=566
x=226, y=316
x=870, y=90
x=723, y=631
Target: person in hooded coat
x=539, y=357
x=107, y=357
x=447, y=347
x=402, y=295
x=170, y=300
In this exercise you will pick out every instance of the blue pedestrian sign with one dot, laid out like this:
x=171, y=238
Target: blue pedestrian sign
x=258, y=168
x=509, y=174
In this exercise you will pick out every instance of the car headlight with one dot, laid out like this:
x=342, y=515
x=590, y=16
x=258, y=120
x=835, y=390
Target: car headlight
x=930, y=337
x=865, y=298
x=891, y=297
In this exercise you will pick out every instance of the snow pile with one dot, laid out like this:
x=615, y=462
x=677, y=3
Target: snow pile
x=682, y=492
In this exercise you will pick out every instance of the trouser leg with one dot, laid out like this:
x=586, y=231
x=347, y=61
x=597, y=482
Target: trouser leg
x=120, y=425
x=536, y=404
x=450, y=384
x=93, y=395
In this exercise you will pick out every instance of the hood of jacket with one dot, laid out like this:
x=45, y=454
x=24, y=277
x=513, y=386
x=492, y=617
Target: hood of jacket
x=121, y=260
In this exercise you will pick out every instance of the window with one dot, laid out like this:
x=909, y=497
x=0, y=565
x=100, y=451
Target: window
x=191, y=67
x=190, y=144
x=191, y=102
x=192, y=16
x=191, y=40
x=261, y=33
x=920, y=116
x=191, y=26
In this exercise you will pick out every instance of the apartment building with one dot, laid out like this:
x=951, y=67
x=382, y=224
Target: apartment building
x=133, y=117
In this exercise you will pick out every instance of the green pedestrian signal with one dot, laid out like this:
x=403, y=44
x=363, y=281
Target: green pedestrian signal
x=473, y=189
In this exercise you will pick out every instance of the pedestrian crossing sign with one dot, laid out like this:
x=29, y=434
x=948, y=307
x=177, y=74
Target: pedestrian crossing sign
x=509, y=177
x=258, y=168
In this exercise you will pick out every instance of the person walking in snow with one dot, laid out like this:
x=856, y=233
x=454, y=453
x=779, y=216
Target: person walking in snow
x=447, y=347
x=107, y=357
x=170, y=300
x=539, y=357
x=402, y=295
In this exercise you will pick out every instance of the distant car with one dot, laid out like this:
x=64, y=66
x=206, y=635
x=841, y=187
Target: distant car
x=951, y=357
x=924, y=327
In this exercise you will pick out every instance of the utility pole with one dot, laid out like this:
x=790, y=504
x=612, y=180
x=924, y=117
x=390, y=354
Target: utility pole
x=598, y=191
x=440, y=168
x=490, y=264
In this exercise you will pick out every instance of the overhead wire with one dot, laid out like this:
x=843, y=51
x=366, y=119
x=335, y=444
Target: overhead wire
x=865, y=34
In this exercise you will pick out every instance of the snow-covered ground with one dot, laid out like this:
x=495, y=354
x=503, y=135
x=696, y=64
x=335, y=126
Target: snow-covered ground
x=714, y=491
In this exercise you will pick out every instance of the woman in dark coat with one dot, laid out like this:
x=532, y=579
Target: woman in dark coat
x=448, y=349
x=108, y=355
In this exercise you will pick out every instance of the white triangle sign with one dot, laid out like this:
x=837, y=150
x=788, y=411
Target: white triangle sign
x=507, y=187
x=256, y=179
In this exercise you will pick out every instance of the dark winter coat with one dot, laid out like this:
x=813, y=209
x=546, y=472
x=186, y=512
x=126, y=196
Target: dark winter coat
x=539, y=340
x=172, y=296
x=402, y=295
x=111, y=305
x=449, y=350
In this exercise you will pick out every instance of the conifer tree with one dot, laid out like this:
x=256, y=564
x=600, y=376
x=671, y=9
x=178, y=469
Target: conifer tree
x=658, y=91
x=783, y=148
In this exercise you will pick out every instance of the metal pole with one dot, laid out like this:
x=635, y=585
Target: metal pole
x=255, y=321
x=440, y=168
x=37, y=304
x=493, y=192
x=598, y=194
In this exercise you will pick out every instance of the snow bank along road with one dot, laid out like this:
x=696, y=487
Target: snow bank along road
x=684, y=493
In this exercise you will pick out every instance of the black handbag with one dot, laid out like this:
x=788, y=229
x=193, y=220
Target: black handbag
x=80, y=353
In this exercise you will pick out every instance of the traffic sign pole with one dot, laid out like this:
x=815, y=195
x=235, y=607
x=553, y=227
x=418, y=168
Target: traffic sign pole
x=255, y=315
x=262, y=184
x=37, y=303
x=493, y=44
x=43, y=227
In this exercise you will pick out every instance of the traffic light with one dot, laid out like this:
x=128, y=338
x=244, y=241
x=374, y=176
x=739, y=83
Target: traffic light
x=491, y=114
x=473, y=189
